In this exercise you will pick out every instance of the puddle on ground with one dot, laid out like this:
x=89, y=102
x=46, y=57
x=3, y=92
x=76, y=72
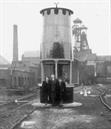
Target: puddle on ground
x=28, y=124
x=92, y=95
x=107, y=95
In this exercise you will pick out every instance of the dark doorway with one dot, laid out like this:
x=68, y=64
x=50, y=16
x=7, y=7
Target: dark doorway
x=60, y=70
x=49, y=69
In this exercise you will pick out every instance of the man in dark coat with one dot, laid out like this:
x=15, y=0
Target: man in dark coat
x=45, y=90
x=57, y=92
x=53, y=83
x=62, y=86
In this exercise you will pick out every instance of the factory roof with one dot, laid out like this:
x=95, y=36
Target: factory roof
x=104, y=58
x=42, y=11
x=85, y=55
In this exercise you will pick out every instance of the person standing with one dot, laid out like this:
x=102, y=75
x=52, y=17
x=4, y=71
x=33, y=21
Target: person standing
x=62, y=86
x=57, y=92
x=45, y=90
x=53, y=83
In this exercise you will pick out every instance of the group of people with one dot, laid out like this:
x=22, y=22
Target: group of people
x=53, y=90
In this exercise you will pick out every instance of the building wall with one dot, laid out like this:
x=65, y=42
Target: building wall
x=75, y=74
x=37, y=73
x=4, y=78
x=33, y=63
x=100, y=69
x=20, y=76
x=31, y=60
x=104, y=72
x=22, y=79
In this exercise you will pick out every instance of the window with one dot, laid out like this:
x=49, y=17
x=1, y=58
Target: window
x=56, y=11
x=64, y=11
x=43, y=13
x=48, y=11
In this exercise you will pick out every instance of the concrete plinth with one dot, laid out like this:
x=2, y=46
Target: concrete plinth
x=69, y=105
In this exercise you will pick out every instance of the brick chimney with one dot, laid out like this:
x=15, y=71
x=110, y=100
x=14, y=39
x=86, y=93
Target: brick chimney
x=15, y=43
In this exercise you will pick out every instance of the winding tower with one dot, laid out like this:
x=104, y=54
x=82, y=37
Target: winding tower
x=80, y=36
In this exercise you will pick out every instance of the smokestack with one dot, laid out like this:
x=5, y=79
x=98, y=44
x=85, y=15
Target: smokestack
x=15, y=43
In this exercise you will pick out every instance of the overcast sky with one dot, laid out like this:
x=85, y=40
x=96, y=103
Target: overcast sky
x=95, y=14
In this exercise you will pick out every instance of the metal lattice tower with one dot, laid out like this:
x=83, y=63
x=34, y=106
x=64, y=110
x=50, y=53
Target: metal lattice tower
x=80, y=36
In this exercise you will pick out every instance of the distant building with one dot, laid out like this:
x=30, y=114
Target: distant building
x=20, y=75
x=103, y=69
x=4, y=72
x=91, y=67
x=32, y=60
x=23, y=74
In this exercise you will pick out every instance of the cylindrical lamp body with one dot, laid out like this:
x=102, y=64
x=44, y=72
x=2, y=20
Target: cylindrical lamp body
x=56, y=41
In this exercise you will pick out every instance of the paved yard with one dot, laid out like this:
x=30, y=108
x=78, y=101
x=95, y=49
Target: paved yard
x=91, y=115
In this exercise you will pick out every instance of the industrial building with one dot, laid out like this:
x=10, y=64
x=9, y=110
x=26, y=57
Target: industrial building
x=92, y=68
x=19, y=75
x=23, y=73
x=4, y=72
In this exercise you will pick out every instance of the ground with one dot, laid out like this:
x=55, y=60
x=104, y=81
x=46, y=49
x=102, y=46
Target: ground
x=91, y=115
